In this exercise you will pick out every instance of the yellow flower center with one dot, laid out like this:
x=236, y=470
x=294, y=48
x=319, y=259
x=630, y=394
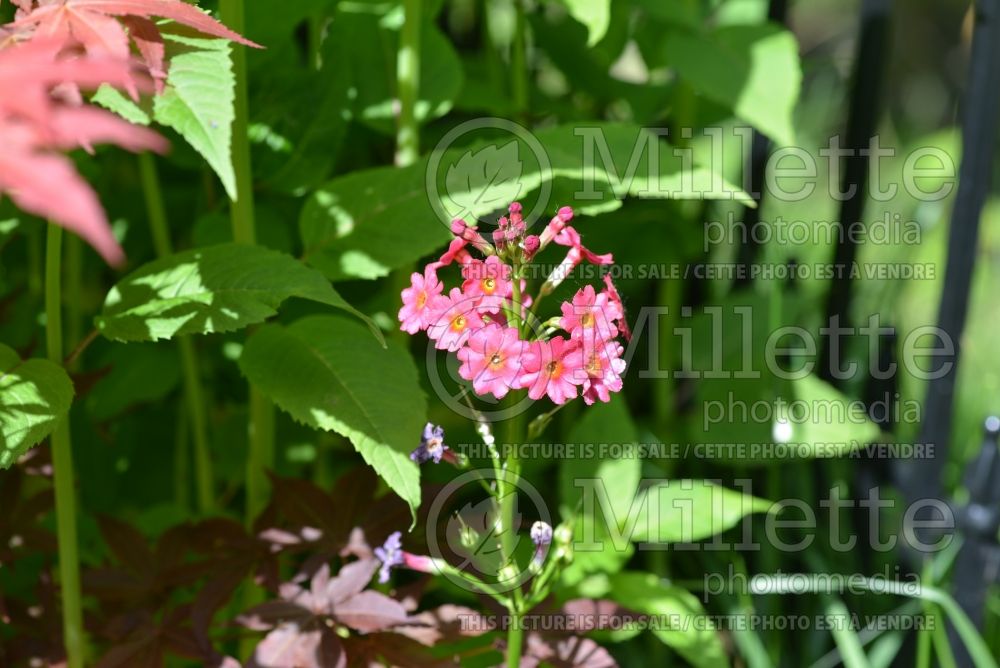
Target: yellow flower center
x=458, y=323
x=421, y=299
x=489, y=285
x=587, y=319
x=496, y=360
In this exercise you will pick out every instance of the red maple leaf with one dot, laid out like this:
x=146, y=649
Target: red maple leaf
x=93, y=24
x=35, y=126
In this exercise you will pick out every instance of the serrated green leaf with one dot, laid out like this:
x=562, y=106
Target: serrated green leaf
x=681, y=620
x=684, y=511
x=209, y=290
x=327, y=372
x=753, y=69
x=198, y=101
x=365, y=224
x=35, y=395
x=113, y=100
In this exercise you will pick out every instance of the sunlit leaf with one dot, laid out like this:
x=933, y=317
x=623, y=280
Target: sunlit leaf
x=35, y=395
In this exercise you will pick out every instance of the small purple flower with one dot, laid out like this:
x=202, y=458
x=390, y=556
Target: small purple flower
x=541, y=534
x=390, y=554
x=431, y=445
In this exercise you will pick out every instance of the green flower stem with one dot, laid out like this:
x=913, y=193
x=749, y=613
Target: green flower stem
x=62, y=465
x=193, y=393
x=408, y=85
x=515, y=435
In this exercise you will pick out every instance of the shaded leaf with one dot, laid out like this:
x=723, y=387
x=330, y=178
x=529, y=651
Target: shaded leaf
x=328, y=373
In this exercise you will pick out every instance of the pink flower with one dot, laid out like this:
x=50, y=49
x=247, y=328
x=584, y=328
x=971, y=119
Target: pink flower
x=591, y=315
x=492, y=360
x=417, y=314
x=616, y=300
x=553, y=367
x=456, y=251
x=568, y=236
x=488, y=281
x=603, y=368
x=556, y=225
x=455, y=318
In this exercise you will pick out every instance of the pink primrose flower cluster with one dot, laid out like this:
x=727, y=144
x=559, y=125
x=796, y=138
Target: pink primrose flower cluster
x=490, y=323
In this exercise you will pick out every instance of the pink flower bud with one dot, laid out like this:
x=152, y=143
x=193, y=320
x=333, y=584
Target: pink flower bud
x=515, y=207
x=565, y=214
x=458, y=227
x=531, y=245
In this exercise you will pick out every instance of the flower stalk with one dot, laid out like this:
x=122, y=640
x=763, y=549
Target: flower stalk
x=193, y=391
x=408, y=85
x=62, y=465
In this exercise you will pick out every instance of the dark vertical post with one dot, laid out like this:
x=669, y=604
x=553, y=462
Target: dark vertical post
x=862, y=121
x=981, y=107
x=760, y=148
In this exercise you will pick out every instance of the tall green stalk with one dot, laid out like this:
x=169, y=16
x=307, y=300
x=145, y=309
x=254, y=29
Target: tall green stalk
x=193, y=392
x=62, y=465
x=261, y=427
x=519, y=62
x=408, y=85
x=514, y=437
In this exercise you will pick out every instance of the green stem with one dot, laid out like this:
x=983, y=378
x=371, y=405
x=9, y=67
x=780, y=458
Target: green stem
x=519, y=62
x=74, y=280
x=515, y=435
x=242, y=209
x=408, y=85
x=194, y=395
x=261, y=426
x=515, y=642
x=62, y=465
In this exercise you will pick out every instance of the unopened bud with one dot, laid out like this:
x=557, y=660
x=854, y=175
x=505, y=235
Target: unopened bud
x=458, y=227
x=508, y=573
x=531, y=245
x=565, y=214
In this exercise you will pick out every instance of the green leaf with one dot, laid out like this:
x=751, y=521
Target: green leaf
x=372, y=32
x=208, y=290
x=198, y=101
x=485, y=178
x=683, y=623
x=365, y=224
x=834, y=425
x=614, y=482
x=34, y=396
x=753, y=69
x=595, y=14
x=685, y=511
x=139, y=373
x=113, y=100
x=328, y=373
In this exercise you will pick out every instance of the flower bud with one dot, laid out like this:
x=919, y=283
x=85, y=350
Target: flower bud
x=531, y=245
x=458, y=227
x=563, y=534
x=508, y=573
x=565, y=214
